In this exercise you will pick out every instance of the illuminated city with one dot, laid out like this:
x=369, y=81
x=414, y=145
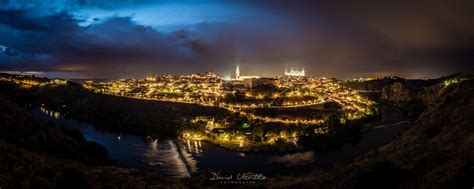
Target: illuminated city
x=178, y=94
x=248, y=96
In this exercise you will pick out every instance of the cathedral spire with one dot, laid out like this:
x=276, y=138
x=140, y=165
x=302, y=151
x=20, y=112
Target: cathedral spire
x=237, y=72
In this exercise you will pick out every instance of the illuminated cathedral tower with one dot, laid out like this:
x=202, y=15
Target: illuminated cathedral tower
x=239, y=77
x=237, y=72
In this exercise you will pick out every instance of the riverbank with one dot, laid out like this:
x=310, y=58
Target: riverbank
x=156, y=155
x=213, y=158
x=36, y=154
x=190, y=164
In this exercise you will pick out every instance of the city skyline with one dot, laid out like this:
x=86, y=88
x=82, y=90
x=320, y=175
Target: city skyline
x=227, y=75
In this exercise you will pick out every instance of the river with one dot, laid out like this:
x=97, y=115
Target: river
x=163, y=156
x=130, y=150
x=211, y=157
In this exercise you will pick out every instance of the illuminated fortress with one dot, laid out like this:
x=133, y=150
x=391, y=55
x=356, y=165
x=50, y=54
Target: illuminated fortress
x=294, y=72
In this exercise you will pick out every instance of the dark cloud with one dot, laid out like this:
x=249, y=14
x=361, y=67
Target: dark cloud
x=115, y=42
x=369, y=37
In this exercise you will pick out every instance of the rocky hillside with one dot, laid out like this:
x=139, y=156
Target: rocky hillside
x=380, y=83
x=437, y=152
x=401, y=91
x=397, y=93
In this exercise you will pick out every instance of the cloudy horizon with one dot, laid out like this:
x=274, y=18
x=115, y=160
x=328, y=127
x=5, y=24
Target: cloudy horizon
x=136, y=38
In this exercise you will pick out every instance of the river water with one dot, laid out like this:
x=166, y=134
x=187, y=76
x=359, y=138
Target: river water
x=130, y=150
x=211, y=157
x=163, y=156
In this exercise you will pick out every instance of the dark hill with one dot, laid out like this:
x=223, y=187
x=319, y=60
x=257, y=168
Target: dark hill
x=437, y=152
x=34, y=154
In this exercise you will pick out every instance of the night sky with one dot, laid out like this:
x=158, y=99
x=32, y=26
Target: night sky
x=135, y=38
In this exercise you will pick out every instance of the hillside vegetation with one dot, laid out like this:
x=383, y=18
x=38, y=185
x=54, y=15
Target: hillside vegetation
x=437, y=152
x=35, y=154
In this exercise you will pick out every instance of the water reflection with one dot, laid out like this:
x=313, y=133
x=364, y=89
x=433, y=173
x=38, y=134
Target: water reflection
x=51, y=113
x=195, y=147
x=163, y=155
x=212, y=157
x=303, y=158
x=131, y=150
x=154, y=148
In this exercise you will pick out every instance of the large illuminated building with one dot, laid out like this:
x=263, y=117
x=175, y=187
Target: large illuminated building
x=294, y=72
x=242, y=77
x=257, y=82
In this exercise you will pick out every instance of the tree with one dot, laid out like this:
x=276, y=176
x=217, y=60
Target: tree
x=258, y=133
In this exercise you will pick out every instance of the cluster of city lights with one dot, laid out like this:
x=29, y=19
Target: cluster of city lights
x=208, y=89
x=28, y=81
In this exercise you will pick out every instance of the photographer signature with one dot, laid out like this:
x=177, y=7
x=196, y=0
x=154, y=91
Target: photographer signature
x=239, y=178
